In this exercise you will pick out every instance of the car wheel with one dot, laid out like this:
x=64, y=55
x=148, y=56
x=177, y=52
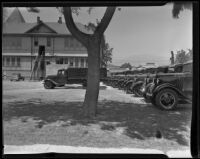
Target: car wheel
x=48, y=85
x=166, y=99
x=137, y=91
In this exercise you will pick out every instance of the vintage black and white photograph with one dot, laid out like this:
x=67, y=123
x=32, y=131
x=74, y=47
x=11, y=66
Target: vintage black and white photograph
x=109, y=79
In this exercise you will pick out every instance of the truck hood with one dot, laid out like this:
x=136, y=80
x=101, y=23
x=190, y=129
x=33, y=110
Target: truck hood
x=51, y=77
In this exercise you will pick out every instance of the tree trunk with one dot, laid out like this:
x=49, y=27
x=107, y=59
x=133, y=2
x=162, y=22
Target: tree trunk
x=92, y=92
x=92, y=43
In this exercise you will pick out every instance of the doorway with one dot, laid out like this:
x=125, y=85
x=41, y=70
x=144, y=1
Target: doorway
x=42, y=64
x=41, y=50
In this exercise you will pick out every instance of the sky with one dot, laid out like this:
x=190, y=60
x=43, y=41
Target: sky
x=138, y=35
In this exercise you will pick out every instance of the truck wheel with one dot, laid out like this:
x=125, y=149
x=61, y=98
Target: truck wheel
x=48, y=85
x=166, y=99
x=152, y=100
x=84, y=84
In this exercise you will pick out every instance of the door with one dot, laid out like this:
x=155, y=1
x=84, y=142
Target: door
x=61, y=77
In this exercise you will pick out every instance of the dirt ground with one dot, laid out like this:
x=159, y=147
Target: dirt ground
x=34, y=115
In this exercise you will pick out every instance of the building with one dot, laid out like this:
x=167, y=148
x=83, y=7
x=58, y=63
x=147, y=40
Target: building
x=22, y=41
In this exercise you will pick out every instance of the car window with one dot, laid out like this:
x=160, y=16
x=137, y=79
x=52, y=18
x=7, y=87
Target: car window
x=187, y=67
x=171, y=69
x=178, y=69
x=61, y=72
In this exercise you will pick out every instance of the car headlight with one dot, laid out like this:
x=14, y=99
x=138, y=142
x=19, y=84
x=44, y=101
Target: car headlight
x=143, y=89
x=150, y=90
x=157, y=81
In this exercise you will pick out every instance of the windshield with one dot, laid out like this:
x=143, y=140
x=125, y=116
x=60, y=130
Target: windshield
x=187, y=67
x=61, y=72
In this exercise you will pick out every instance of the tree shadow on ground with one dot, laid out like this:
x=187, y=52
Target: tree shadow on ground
x=139, y=122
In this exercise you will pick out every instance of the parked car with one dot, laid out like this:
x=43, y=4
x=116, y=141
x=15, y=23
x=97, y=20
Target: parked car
x=169, y=89
x=17, y=77
x=141, y=81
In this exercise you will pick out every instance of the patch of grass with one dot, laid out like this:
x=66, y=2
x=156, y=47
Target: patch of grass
x=71, y=128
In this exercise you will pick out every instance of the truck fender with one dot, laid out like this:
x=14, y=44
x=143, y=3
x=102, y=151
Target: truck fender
x=139, y=83
x=170, y=86
x=129, y=82
x=51, y=81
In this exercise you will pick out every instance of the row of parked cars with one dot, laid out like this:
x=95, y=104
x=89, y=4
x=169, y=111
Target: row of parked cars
x=14, y=77
x=164, y=86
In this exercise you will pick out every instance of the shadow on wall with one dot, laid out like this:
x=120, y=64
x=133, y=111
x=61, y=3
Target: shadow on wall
x=139, y=122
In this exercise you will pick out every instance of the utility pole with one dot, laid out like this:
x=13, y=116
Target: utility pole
x=172, y=58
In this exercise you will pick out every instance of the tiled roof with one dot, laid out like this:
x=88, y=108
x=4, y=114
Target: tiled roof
x=20, y=28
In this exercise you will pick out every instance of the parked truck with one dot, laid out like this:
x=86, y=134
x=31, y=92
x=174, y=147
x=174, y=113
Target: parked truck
x=70, y=76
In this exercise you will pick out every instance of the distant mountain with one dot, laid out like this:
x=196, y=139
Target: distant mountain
x=112, y=66
x=140, y=59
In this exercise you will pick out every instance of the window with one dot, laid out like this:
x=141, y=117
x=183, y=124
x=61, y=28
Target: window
x=82, y=62
x=66, y=60
x=76, y=62
x=18, y=42
x=18, y=61
x=48, y=42
x=59, y=60
x=3, y=61
x=76, y=43
x=71, y=63
x=13, y=43
x=86, y=62
x=80, y=45
x=61, y=72
x=13, y=61
x=8, y=61
x=35, y=41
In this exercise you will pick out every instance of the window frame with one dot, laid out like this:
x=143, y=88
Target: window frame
x=18, y=59
x=13, y=61
x=7, y=61
x=48, y=41
x=35, y=40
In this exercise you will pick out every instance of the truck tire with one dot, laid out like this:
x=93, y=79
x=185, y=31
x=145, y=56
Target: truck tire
x=166, y=99
x=84, y=84
x=48, y=85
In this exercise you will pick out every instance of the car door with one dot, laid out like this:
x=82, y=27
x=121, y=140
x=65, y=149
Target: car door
x=61, y=79
x=187, y=80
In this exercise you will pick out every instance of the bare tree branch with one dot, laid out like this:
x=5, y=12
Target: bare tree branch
x=82, y=37
x=105, y=20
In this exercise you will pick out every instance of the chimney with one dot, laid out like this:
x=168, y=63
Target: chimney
x=38, y=19
x=60, y=20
